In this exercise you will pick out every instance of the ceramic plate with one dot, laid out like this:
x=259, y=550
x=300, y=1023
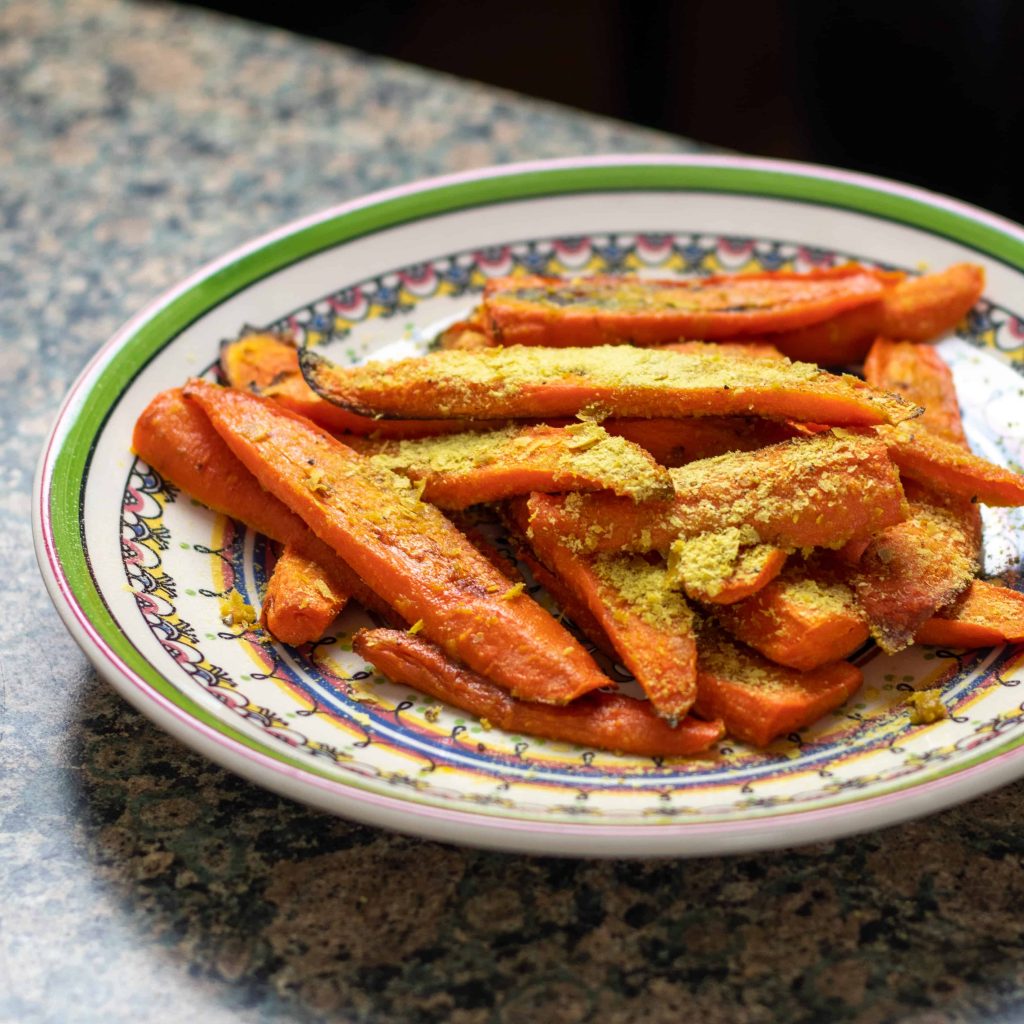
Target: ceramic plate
x=137, y=569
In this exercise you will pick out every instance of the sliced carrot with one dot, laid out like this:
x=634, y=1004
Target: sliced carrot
x=812, y=492
x=467, y=469
x=724, y=566
x=984, y=615
x=616, y=380
x=649, y=624
x=176, y=438
x=301, y=600
x=804, y=618
x=405, y=549
x=758, y=700
x=607, y=721
x=598, y=310
x=838, y=341
x=268, y=365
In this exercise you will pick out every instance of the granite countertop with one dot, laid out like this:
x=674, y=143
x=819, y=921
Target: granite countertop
x=139, y=881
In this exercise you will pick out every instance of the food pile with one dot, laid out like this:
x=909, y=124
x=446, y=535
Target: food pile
x=725, y=518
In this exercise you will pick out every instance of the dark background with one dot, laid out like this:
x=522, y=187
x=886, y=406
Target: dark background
x=931, y=93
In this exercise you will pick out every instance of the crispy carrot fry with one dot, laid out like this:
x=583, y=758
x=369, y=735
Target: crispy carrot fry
x=725, y=566
x=619, y=380
x=650, y=626
x=405, y=549
x=984, y=615
x=759, y=701
x=804, y=618
x=467, y=469
x=268, y=365
x=608, y=721
x=301, y=600
x=176, y=438
x=813, y=492
x=598, y=310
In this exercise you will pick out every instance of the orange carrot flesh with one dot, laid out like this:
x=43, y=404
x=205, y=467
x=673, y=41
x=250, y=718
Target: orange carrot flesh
x=607, y=721
x=470, y=333
x=723, y=567
x=598, y=310
x=301, y=600
x=177, y=439
x=758, y=700
x=984, y=615
x=925, y=308
x=675, y=442
x=268, y=365
x=648, y=623
x=466, y=469
x=805, y=618
x=812, y=492
x=733, y=349
x=838, y=341
x=403, y=548
x=617, y=380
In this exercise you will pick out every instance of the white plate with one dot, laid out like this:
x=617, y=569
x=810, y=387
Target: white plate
x=136, y=570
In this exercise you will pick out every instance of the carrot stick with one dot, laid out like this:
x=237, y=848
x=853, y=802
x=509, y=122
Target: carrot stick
x=814, y=492
x=608, y=721
x=725, y=566
x=649, y=624
x=467, y=469
x=984, y=615
x=268, y=365
x=616, y=380
x=301, y=600
x=804, y=618
x=176, y=438
x=759, y=701
x=598, y=310
x=468, y=334
x=405, y=549
x=838, y=341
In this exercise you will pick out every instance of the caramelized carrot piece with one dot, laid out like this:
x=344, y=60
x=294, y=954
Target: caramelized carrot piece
x=608, y=721
x=650, y=625
x=758, y=700
x=812, y=492
x=598, y=310
x=467, y=469
x=301, y=600
x=268, y=365
x=176, y=438
x=618, y=380
x=984, y=615
x=804, y=618
x=723, y=567
x=405, y=549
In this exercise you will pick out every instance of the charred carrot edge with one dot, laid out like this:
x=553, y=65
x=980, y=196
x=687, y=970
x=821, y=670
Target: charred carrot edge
x=984, y=615
x=268, y=364
x=920, y=375
x=754, y=568
x=856, y=492
x=176, y=438
x=617, y=380
x=925, y=308
x=650, y=627
x=301, y=600
x=598, y=310
x=403, y=548
x=607, y=721
x=759, y=701
x=468, y=469
x=803, y=619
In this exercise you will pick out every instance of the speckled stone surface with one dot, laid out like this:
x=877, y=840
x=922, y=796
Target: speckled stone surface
x=138, y=881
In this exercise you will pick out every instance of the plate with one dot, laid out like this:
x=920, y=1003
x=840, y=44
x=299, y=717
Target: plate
x=137, y=570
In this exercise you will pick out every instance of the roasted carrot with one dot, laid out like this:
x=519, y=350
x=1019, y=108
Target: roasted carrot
x=733, y=349
x=616, y=380
x=468, y=334
x=404, y=548
x=268, y=365
x=725, y=566
x=812, y=492
x=804, y=618
x=758, y=700
x=984, y=615
x=176, y=438
x=607, y=721
x=649, y=625
x=467, y=469
x=598, y=310
x=301, y=600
